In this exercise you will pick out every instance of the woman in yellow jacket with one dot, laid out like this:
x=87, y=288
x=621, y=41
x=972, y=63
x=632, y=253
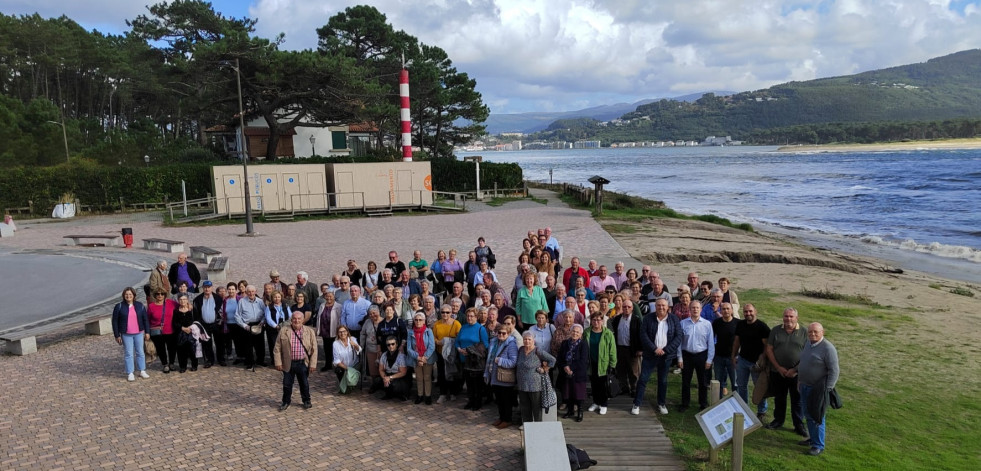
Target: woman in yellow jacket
x=602, y=360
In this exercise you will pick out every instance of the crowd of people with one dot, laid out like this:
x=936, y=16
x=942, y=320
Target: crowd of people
x=557, y=335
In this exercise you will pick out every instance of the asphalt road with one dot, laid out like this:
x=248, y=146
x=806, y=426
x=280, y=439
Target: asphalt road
x=35, y=286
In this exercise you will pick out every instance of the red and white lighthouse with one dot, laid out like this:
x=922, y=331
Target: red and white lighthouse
x=404, y=115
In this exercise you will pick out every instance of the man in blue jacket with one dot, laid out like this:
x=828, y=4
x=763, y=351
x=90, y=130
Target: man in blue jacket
x=660, y=336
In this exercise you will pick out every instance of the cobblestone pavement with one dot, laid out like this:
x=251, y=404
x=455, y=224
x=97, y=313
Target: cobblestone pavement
x=70, y=407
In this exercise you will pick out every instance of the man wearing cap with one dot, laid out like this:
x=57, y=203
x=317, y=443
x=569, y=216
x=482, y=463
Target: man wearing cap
x=277, y=283
x=186, y=271
x=207, y=311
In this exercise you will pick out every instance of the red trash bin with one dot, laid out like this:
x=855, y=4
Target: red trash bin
x=128, y=237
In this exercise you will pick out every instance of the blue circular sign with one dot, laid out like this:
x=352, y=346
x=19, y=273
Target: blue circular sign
x=231, y=181
x=269, y=180
x=291, y=180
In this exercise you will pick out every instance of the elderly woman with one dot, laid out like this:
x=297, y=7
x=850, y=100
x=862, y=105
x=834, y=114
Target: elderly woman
x=532, y=363
x=603, y=356
x=181, y=321
x=545, y=267
x=500, y=374
x=345, y=351
x=484, y=253
x=392, y=371
x=277, y=314
x=471, y=343
x=445, y=331
x=429, y=309
x=542, y=331
x=573, y=364
x=582, y=304
x=329, y=313
x=130, y=326
x=425, y=292
x=530, y=300
x=422, y=352
x=729, y=296
x=631, y=277
x=160, y=313
x=378, y=298
x=452, y=270
x=369, y=340
x=401, y=305
x=302, y=306
x=681, y=308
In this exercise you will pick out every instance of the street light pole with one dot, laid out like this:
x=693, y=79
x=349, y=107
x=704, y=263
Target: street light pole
x=313, y=147
x=64, y=134
x=243, y=153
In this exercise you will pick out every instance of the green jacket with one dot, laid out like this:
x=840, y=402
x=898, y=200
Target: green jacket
x=607, y=351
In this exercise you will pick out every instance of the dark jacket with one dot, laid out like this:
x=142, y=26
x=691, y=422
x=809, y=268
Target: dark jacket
x=120, y=318
x=580, y=360
x=199, y=301
x=181, y=319
x=648, y=334
x=635, y=328
x=192, y=271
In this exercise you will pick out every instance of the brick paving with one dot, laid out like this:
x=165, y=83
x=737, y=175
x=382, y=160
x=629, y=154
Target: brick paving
x=70, y=407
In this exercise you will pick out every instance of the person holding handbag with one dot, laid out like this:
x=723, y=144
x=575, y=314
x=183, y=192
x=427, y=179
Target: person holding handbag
x=160, y=313
x=500, y=374
x=181, y=322
x=129, y=326
x=573, y=364
x=295, y=354
x=532, y=364
x=603, y=356
x=471, y=344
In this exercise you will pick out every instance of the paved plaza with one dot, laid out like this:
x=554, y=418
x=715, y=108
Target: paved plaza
x=69, y=406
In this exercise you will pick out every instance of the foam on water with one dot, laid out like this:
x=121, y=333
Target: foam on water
x=932, y=248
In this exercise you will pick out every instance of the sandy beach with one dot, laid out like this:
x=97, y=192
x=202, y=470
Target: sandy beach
x=941, y=144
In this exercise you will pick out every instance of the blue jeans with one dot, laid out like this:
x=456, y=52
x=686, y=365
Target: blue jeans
x=723, y=370
x=133, y=345
x=660, y=363
x=815, y=430
x=744, y=369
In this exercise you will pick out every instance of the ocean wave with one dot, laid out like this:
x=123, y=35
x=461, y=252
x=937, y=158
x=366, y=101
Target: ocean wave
x=933, y=248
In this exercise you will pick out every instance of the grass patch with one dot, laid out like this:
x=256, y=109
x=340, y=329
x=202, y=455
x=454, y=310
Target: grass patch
x=828, y=293
x=890, y=420
x=633, y=208
x=936, y=286
x=616, y=228
x=498, y=201
x=962, y=291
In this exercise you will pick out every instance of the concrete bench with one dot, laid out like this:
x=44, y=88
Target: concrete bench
x=204, y=254
x=172, y=246
x=107, y=240
x=544, y=448
x=24, y=341
x=217, y=269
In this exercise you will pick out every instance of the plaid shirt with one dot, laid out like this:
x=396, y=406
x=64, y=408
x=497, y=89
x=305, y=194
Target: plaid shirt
x=297, y=352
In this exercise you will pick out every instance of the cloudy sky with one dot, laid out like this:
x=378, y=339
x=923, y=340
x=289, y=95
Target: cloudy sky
x=554, y=55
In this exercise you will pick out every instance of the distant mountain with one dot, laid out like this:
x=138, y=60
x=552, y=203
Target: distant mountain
x=537, y=121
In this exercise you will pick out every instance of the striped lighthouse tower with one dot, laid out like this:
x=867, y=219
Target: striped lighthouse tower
x=406, y=122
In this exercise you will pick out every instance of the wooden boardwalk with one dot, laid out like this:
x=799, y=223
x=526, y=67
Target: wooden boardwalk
x=623, y=442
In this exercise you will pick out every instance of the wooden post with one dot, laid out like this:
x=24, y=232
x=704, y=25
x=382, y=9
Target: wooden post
x=713, y=399
x=737, y=442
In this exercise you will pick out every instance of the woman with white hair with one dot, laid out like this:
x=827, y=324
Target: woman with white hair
x=573, y=364
x=533, y=363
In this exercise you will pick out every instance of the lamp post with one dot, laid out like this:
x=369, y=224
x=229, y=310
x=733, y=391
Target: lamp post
x=313, y=148
x=243, y=154
x=64, y=134
x=146, y=158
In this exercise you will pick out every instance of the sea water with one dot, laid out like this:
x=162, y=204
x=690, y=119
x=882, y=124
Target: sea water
x=916, y=208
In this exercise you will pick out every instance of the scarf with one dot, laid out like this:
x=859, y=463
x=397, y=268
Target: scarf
x=391, y=356
x=420, y=333
x=573, y=349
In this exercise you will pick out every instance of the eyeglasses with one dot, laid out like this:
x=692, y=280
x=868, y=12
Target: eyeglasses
x=502, y=333
x=446, y=312
x=419, y=320
x=391, y=344
x=345, y=282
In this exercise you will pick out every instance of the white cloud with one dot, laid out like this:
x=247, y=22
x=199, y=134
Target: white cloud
x=562, y=54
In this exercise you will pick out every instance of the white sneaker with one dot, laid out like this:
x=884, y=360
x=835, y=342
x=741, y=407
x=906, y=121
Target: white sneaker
x=663, y=410
x=144, y=375
x=131, y=377
x=441, y=400
x=635, y=410
x=593, y=407
x=602, y=410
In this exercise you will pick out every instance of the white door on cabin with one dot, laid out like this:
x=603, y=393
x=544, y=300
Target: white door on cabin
x=403, y=188
x=234, y=197
x=315, y=188
x=291, y=187
x=269, y=192
x=346, y=198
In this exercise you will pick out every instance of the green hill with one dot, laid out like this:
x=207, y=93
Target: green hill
x=942, y=88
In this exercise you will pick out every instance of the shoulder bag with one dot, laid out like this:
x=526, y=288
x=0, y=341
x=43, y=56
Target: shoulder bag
x=505, y=375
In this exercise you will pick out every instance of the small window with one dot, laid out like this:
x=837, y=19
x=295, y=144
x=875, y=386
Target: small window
x=338, y=139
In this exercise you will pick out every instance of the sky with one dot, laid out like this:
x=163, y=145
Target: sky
x=558, y=55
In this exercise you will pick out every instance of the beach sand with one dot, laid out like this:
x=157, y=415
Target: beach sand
x=945, y=144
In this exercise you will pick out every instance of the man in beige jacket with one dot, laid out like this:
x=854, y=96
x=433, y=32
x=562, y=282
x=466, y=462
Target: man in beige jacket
x=295, y=354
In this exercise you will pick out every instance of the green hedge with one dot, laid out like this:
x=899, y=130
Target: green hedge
x=105, y=185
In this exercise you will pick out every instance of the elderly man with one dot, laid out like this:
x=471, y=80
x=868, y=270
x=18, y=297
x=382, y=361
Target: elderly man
x=619, y=275
x=309, y=289
x=184, y=271
x=353, y=312
x=712, y=309
x=660, y=336
x=207, y=311
x=343, y=293
x=626, y=329
x=748, y=346
x=295, y=354
x=783, y=349
x=420, y=264
x=601, y=280
x=277, y=281
x=503, y=310
x=818, y=374
x=645, y=272
x=558, y=305
x=251, y=311
x=693, y=282
x=574, y=271
x=696, y=354
x=159, y=279
x=408, y=285
x=394, y=264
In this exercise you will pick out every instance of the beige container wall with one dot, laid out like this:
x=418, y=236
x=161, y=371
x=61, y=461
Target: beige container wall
x=271, y=187
x=380, y=184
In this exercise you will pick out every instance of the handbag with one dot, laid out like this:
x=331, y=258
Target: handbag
x=548, y=393
x=351, y=377
x=256, y=329
x=155, y=331
x=507, y=375
x=184, y=339
x=149, y=351
x=612, y=384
